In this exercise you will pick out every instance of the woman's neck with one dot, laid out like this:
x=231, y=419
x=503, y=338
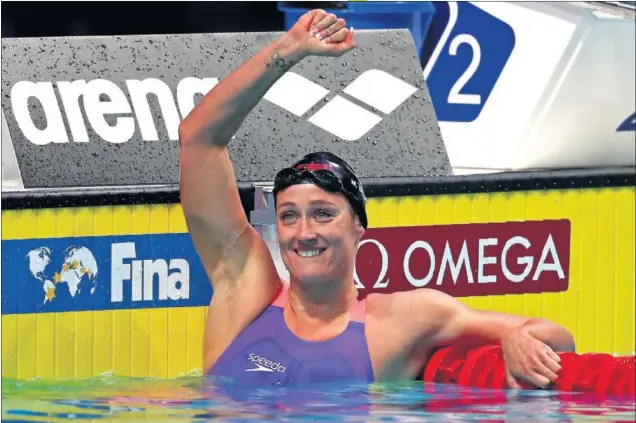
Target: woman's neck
x=319, y=308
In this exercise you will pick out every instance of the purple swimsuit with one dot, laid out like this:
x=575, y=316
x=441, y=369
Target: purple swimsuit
x=267, y=353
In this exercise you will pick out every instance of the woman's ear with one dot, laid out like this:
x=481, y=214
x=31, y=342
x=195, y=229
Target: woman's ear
x=361, y=230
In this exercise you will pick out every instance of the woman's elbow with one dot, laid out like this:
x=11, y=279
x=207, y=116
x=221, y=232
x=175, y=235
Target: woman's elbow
x=186, y=133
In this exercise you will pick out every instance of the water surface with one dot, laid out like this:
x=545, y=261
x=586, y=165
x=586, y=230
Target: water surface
x=192, y=399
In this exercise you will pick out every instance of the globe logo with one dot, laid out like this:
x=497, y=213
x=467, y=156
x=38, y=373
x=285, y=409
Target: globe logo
x=78, y=266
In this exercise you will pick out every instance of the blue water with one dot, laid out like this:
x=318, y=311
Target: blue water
x=189, y=399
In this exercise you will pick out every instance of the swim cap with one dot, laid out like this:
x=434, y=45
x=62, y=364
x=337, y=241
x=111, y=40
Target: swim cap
x=329, y=172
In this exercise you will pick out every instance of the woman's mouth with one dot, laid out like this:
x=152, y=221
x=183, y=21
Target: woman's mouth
x=310, y=253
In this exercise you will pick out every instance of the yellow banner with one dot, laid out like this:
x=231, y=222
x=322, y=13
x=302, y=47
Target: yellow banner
x=92, y=321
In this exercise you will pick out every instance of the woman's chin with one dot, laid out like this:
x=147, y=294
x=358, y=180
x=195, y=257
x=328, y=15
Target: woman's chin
x=313, y=276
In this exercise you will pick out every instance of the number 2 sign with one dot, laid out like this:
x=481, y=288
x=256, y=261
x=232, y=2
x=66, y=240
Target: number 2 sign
x=469, y=56
x=628, y=124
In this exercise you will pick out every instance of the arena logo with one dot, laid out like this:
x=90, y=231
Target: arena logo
x=97, y=108
x=339, y=116
x=466, y=260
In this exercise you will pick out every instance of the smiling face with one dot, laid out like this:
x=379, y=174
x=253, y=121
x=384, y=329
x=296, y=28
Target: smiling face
x=318, y=233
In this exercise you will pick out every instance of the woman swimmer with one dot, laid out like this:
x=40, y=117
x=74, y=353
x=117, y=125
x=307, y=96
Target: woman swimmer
x=259, y=332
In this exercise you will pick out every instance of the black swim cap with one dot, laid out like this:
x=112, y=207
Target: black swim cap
x=329, y=172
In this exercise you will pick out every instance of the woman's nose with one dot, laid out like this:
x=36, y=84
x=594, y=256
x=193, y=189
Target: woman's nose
x=305, y=232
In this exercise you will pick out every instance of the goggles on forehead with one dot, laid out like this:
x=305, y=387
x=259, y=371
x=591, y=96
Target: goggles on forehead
x=324, y=176
x=321, y=174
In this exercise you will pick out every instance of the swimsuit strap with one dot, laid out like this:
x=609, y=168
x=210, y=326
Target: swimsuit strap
x=281, y=297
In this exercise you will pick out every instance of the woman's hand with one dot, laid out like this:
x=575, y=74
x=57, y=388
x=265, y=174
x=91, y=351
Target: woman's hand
x=319, y=33
x=528, y=359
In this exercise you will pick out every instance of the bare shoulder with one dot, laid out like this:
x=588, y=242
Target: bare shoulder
x=421, y=308
x=407, y=301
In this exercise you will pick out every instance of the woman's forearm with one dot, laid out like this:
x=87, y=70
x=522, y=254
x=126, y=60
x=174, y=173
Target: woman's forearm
x=221, y=112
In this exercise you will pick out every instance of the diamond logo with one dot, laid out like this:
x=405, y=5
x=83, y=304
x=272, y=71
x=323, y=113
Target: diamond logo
x=340, y=116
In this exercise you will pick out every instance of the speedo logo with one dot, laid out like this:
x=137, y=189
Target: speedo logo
x=262, y=364
x=342, y=117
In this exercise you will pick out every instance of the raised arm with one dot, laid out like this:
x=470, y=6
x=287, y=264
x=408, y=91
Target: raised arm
x=215, y=217
x=235, y=257
x=209, y=196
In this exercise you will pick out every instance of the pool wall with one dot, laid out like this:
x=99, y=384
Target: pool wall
x=119, y=322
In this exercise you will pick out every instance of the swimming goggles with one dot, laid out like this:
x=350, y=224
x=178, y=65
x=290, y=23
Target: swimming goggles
x=324, y=176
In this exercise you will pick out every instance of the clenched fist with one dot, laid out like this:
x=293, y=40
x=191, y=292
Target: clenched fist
x=319, y=33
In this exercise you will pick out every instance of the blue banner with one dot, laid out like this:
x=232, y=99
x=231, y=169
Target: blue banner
x=102, y=273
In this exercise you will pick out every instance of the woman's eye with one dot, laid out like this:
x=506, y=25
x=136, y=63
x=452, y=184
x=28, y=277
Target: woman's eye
x=322, y=214
x=287, y=216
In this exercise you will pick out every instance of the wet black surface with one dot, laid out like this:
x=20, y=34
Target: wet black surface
x=406, y=142
x=374, y=187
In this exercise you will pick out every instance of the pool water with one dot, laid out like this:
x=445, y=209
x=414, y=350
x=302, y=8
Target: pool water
x=193, y=399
